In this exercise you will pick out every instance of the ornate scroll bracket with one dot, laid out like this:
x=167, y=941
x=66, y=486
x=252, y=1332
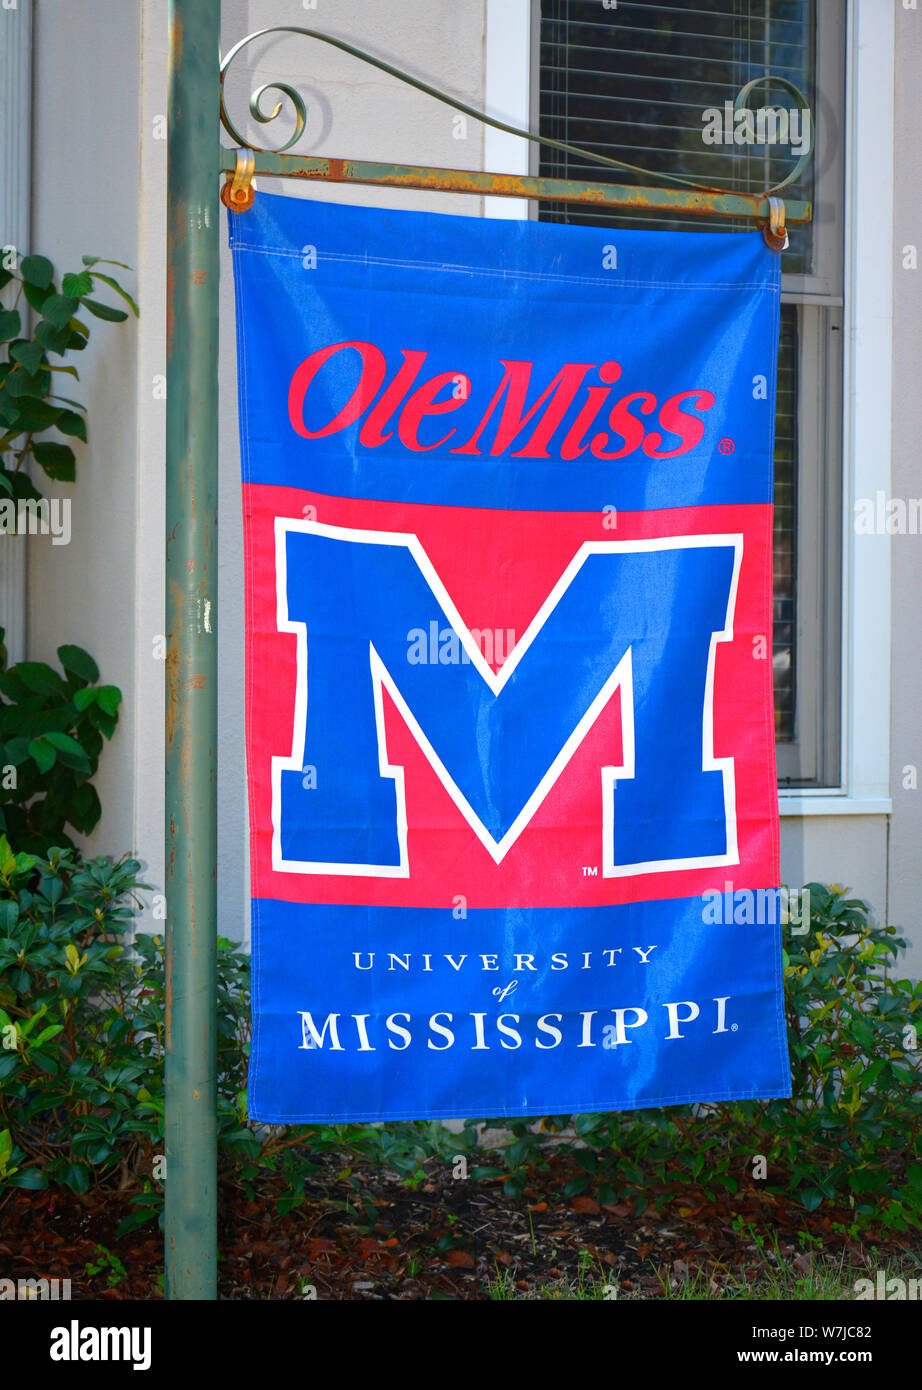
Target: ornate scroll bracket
x=233, y=195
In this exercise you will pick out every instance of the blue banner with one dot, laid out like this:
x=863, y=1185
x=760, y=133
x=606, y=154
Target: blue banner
x=513, y=812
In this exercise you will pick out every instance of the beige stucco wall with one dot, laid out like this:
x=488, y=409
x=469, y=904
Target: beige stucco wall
x=84, y=201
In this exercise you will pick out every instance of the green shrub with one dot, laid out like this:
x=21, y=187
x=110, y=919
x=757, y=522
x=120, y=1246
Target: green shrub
x=80, y=1031
x=82, y=1047
x=81, y=1074
x=850, y=1134
x=29, y=405
x=52, y=728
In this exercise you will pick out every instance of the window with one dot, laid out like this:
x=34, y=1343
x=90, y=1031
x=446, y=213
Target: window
x=634, y=81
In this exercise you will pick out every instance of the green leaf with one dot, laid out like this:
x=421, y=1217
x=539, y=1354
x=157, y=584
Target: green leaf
x=108, y=697
x=78, y=662
x=59, y=309
x=76, y=1176
x=77, y=285
x=32, y=1178
x=84, y=697
x=48, y=1033
x=37, y=271
x=119, y=289
x=34, y=414
x=28, y=355
x=85, y=809
x=99, y=1152
x=36, y=297
x=575, y=1186
x=38, y=677
x=101, y=260
x=135, y=1219
x=43, y=753
x=21, y=383
x=52, y=339
x=64, y=743
x=57, y=460
x=104, y=311
x=69, y=422
x=10, y=324
x=23, y=486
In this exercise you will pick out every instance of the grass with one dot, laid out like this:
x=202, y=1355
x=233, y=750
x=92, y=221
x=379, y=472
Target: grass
x=823, y=1279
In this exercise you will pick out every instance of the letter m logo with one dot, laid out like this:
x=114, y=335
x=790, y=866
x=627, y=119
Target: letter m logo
x=637, y=621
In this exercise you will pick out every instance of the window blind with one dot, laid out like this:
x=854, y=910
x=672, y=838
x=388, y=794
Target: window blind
x=634, y=82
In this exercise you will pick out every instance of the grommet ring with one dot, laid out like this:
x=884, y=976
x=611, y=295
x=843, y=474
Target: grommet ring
x=238, y=191
x=776, y=233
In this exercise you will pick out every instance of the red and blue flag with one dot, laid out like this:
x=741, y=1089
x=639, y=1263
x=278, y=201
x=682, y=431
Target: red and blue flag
x=507, y=494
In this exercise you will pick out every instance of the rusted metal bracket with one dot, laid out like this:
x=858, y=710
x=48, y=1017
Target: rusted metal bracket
x=753, y=206
x=765, y=209
x=238, y=191
x=776, y=233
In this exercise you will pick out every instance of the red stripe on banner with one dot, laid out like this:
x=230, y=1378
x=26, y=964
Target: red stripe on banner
x=498, y=567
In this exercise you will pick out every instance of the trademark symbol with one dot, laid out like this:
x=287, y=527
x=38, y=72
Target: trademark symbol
x=733, y=1027
x=590, y=870
x=726, y=446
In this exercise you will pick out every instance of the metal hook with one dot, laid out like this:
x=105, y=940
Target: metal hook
x=776, y=233
x=238, y=191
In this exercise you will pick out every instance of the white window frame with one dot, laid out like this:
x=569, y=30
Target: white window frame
x=864, y=787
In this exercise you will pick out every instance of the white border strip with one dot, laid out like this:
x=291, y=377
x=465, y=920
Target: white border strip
x=507, y=96
x=866, y=631
x=832, y=804
x=620, y=680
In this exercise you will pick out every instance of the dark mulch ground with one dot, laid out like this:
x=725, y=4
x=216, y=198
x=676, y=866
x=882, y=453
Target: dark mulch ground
x=363, y=1233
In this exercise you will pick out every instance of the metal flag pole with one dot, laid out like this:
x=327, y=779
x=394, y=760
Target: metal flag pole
x=190, y=1214
x=195, y=160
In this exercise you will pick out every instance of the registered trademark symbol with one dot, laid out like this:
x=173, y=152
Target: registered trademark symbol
x=726, y=446
x=733, y=1027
